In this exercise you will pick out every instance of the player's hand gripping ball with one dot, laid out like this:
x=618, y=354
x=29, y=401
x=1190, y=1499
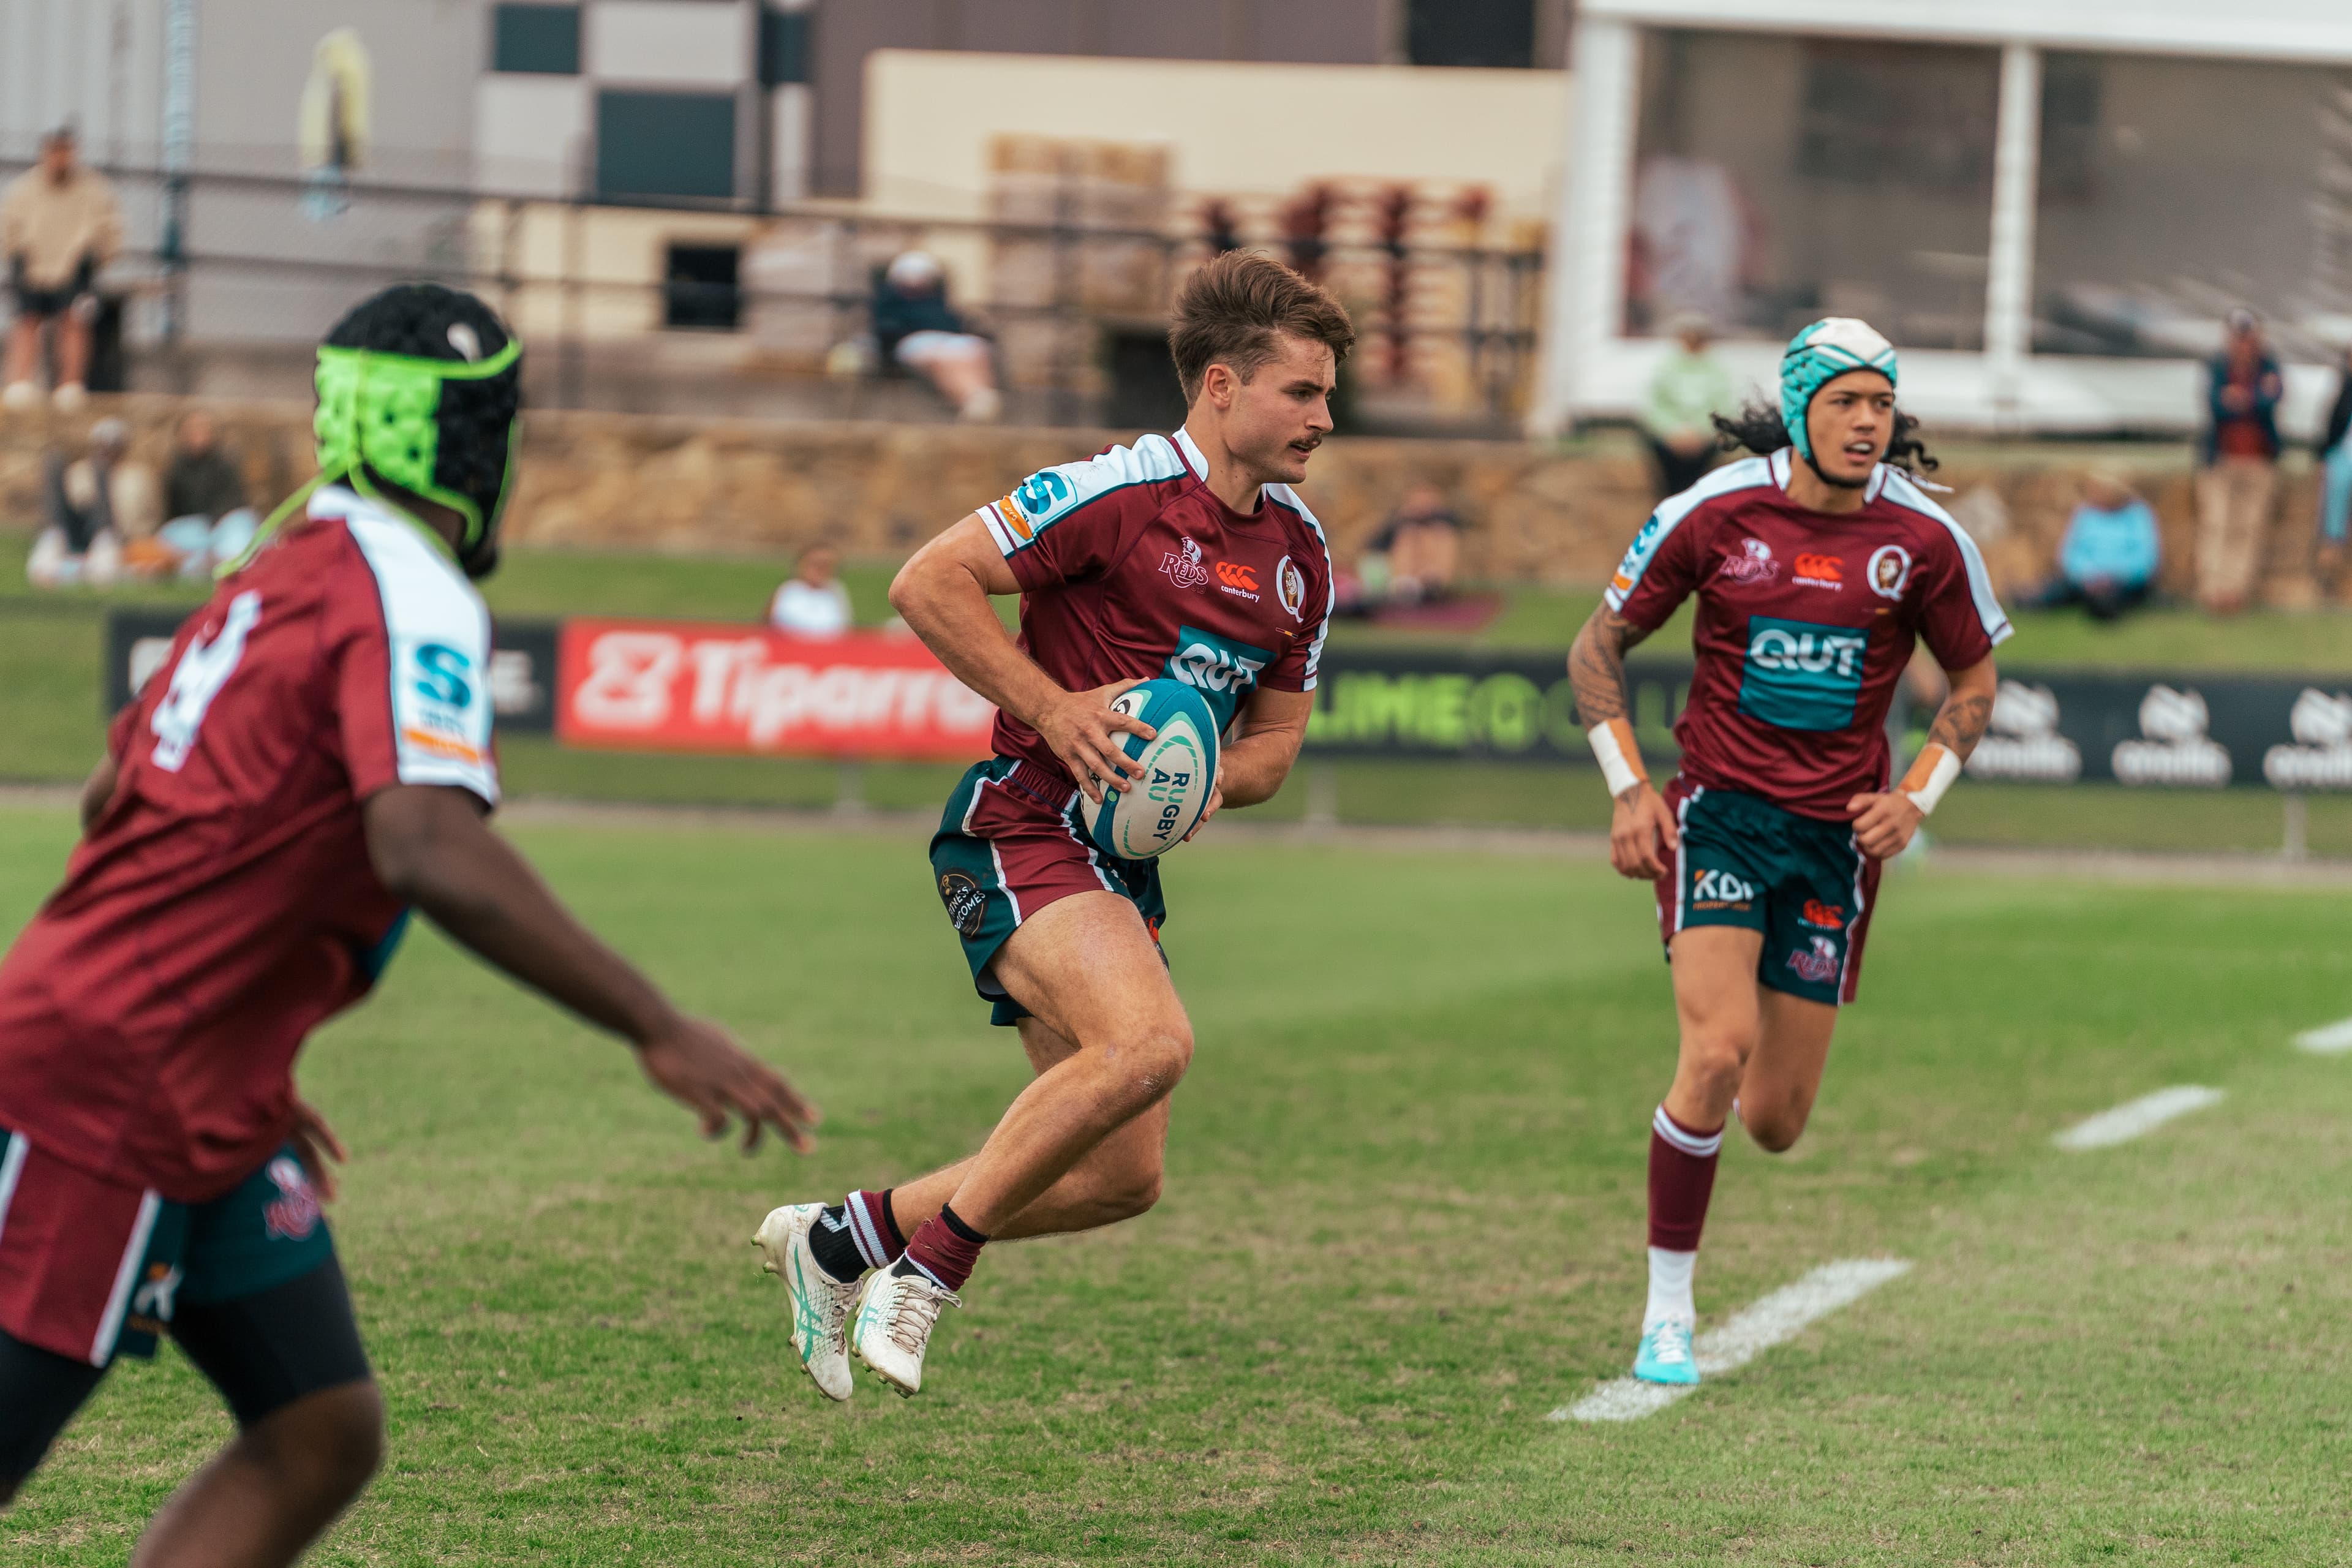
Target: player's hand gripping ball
x=1151, y=816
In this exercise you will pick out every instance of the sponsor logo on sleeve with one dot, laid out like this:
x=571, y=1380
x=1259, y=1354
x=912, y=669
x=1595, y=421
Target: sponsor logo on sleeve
x=1637, y=555
x=1290, y=589
x=1889, y=572
x=2321, y=757
x=436, y=714
x=1818, y=962
x=1016, y=523
x=1801, y=675
x=1753, y=565
x=1183, y=567
x=2024, y=741
x=2174, y=748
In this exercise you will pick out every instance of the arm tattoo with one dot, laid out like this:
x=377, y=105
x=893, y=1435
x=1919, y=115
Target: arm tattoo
x=1596, y=666
x=1960, y=723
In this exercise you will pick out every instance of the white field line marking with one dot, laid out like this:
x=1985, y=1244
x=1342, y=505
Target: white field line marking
x=2133, y=1117
x=1775, y=1320
x=2329, y=1039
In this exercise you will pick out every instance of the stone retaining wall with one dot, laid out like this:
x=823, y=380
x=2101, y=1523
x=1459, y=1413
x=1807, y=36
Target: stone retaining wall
x=614, y=482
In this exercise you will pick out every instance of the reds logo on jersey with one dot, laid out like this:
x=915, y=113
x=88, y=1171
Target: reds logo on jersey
x=1183, y=567
x=1754, y=563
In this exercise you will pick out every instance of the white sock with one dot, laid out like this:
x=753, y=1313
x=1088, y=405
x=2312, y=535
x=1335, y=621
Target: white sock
x=1670, y=1288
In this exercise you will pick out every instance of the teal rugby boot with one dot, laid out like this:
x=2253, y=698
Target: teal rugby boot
x=1665, y=1356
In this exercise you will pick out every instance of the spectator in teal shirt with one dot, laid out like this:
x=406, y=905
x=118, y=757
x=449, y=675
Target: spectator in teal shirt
x=1677, y=416
x=2107, y=562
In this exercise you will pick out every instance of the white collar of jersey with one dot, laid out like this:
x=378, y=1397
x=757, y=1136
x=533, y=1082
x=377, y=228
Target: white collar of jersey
x=1785, y=459
x=1194, y=458
x=341, y=503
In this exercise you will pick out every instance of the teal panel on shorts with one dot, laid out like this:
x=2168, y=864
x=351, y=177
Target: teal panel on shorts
x=1749, y=863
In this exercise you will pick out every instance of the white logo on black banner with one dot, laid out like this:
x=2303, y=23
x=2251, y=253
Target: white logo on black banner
x=2176, y=750
x=2321, y=757
x=2025, y=742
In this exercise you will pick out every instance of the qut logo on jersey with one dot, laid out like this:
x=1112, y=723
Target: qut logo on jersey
x=1220, y=668
x=1801, y=676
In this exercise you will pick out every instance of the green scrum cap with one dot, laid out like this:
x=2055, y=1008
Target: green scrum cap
x=381, y=413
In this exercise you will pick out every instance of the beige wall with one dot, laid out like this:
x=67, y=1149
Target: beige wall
x=1233, y=128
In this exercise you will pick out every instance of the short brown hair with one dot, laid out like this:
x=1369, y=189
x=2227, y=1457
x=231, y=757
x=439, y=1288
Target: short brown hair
x=1232, y=311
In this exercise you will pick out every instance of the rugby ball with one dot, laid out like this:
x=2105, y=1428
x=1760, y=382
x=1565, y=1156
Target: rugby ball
x=1151, y=815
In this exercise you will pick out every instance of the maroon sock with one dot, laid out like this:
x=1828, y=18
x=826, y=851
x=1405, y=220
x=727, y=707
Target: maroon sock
x=944, y=1247
x=1682, y=1178
x=876, y=1233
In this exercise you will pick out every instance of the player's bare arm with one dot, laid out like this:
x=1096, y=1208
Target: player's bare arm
x=943, y=593
x=430, y=847
x=1642, y=834
x=1264, y=750
x=1885, y=822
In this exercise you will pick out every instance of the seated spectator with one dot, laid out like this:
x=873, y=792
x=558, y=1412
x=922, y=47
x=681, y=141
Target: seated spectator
x=914, y=326
x=1689, y=390
x=204, y=495
x=59, y=224
x=1415, y=556
x=812, y=602
x=2107, y=562
x=2335, y=481
x=96, y=504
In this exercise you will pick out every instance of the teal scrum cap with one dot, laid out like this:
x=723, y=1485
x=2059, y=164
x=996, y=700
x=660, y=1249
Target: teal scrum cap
x=1819, y=355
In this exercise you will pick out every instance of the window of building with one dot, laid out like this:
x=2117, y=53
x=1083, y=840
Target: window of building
x=1471, y=33
x=784, y=46
x=537, y=40
x=700, y=287
x=664, y=144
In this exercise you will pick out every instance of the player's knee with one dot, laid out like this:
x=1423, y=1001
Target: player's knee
x=1775, y=1130
x=328, y=1442
x=1133, y=1195
x=1715, y=1058
x=1153, y=1060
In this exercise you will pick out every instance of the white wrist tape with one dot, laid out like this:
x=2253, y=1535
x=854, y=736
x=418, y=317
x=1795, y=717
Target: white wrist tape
x=1621, y=759
x=1931, y=774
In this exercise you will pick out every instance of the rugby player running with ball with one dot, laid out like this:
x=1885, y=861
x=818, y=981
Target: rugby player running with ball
x=1818, y=565
x=1185, y=558
x=311, y=761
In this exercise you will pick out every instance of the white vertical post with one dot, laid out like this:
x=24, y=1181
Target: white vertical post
x=2008, y=273
x=1584, y=297
x=179, y=144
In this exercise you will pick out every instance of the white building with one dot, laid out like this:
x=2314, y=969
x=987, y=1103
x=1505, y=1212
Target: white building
x=2049, y=204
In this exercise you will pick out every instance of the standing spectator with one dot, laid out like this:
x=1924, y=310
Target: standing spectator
x=2239, y=481
x=96, y=503
x=2335, y=481
x=204, y=495
x=2108, y=560
x=914, y=326
x=812, y=602
x=59, y=223
x=1689, y=390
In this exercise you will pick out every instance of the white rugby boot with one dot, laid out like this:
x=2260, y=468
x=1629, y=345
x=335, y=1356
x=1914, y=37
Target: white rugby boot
x=821, y=1304
x=893, y=1327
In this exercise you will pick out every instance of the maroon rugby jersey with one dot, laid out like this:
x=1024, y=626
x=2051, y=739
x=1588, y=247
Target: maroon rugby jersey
x=224, y=904
x=1130, y=567
x=1805, y=623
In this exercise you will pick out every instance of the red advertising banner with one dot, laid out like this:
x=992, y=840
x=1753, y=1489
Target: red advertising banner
x=684, y=686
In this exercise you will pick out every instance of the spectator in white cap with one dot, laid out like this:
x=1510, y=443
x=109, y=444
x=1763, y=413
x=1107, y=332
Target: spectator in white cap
x=914, y=325
x=95, y=502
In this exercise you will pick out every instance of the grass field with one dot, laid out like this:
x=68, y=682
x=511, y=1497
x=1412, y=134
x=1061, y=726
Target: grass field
x=1404, y=1223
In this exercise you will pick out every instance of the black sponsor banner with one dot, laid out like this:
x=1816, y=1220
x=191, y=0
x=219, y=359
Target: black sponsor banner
x=1488, y=707
x=522, y=668
x=2145, y=731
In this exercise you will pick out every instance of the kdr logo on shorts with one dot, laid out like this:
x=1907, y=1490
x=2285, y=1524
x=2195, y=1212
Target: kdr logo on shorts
x=1720, y=890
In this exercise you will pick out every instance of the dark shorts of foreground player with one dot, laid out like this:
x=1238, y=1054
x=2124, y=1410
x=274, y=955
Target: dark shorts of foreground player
x=247, y=1283
x=1011, y=842
x=1801, y=882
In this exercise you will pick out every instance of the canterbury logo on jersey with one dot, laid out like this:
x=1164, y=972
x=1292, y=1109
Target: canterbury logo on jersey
x=1821, y=572
x=1801, y=676
x=1234, y=574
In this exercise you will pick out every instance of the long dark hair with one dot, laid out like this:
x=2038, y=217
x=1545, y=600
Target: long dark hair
x=1760, y=428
